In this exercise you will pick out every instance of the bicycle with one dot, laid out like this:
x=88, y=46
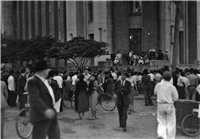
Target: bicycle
x=67, y=100
x=23, y=125
x=106, y=101
x=191, y=123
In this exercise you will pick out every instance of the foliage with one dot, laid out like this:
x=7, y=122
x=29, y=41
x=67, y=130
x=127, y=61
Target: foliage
x=78, y=51
x=14, y=50
x=36, y=48
x=9, y=49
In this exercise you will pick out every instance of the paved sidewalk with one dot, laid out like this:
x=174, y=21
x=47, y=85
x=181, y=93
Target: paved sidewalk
x=141, y=96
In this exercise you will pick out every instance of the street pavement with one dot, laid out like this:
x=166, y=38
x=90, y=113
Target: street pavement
x=142, y=124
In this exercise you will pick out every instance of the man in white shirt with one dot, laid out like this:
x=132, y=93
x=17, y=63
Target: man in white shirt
x=182, y=84
x=114, y=75
x=59, y=80
x=157, y=77
x=119, y=57
x=74, y=78
x=186, y=84
x=151, y=75
x=152, y=81
x=11, y=90
x=135, y=80
x=166, y=116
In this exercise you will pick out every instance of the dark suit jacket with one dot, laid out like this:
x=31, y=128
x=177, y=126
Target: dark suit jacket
x=56, y=90
x=146, y=82
x=40, y=99
x=126, y=89
x=21, y=82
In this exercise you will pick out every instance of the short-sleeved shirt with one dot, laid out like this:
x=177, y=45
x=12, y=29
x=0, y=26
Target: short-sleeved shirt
x=166, y=92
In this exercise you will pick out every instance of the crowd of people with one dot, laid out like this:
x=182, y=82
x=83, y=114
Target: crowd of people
x=46, y=86
x=134, y=58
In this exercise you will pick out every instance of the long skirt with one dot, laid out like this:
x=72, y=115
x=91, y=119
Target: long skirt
x=82, y=102
x=2, y=115
x=12, y=98
x=93, y=100
x=131, y=105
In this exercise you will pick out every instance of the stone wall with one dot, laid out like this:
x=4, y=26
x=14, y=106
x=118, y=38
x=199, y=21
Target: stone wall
x=120, y=26
x=150, y=25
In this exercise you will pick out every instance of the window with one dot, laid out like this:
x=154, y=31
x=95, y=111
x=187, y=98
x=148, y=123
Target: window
x=91, y=36
x=90, y=11
x=135, y=7
x=172, y=34
x=56, y=62
x=48, y=60
x=100, y=34
x=65, y=62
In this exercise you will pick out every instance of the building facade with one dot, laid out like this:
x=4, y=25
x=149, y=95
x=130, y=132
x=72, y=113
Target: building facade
x=124, y=25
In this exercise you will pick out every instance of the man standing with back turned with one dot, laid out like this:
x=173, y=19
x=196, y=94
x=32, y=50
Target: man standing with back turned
x=43, y=116
x=166, y=116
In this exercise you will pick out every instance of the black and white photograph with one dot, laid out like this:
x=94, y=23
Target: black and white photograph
x=100, y=69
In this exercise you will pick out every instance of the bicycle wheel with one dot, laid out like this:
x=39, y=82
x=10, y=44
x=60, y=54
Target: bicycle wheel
x=73, y=103
x=23, y=126
x=191, y=125
x=66, y=101
x=107, y=102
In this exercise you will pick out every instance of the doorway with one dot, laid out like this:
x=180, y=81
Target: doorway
x=135, y=40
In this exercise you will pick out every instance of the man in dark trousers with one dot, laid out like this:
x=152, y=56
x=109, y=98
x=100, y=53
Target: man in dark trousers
x=43, y=115
x=123, y=89
x=21, y=82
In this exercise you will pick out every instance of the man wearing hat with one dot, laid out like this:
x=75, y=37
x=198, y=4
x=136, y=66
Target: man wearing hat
x=123, y=89
x=166, y=116
x=43, y=116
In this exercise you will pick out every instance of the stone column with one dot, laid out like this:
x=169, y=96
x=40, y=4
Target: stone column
x=51, y=19
x=0, y=14
x=43, y=18
x=36, y=18
x=29, y=20
x=6, y=17
x=165, y=28
x=23, y=20
x=198, y=33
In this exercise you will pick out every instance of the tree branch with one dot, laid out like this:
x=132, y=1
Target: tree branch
x=73, y=62
x=86, y=60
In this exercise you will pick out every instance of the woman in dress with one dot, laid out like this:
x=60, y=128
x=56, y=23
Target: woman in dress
x=4, y=104
x=110, y=84
x=81, y=97
x=93, y=95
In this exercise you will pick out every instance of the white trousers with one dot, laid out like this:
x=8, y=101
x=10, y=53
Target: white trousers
x=166, y=118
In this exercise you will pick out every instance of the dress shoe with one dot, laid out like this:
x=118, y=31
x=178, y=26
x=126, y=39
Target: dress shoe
x=124, y=129
x=146, y=105
x=120, y=126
